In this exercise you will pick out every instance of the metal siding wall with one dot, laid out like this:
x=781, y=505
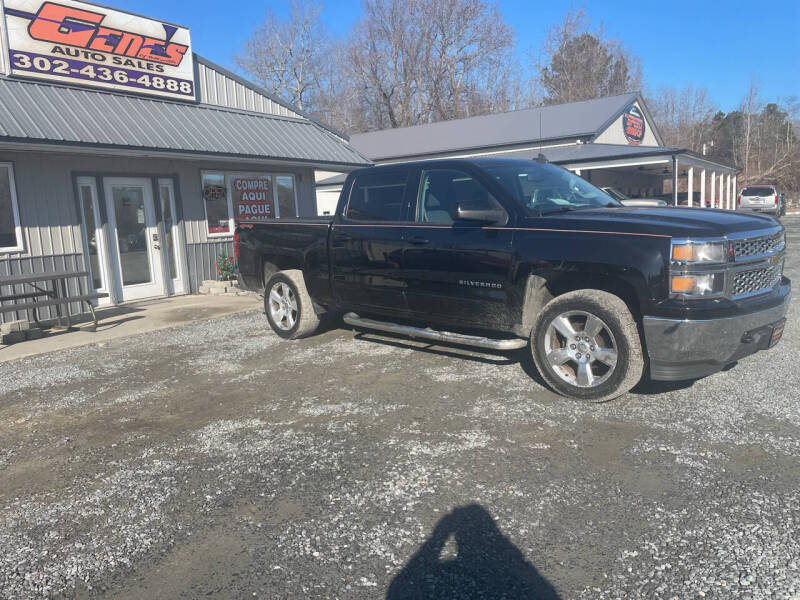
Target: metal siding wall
x=218, y=89
x=52, y=225
x=201, y=261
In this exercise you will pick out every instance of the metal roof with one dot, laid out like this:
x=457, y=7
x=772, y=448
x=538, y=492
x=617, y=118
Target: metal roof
x=575, y=154
x=581, y=152
x=63, y=115
x=587, y=118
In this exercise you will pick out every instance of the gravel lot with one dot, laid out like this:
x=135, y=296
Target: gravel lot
x=216, y=460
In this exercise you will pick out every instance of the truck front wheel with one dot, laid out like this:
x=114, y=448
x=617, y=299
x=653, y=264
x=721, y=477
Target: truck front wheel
x=586, y=346
x=288, y=306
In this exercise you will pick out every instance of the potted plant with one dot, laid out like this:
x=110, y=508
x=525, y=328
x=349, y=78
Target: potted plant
x=226, y=267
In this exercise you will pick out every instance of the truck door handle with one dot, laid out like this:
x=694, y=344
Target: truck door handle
x=342, y=237
x=418, y=240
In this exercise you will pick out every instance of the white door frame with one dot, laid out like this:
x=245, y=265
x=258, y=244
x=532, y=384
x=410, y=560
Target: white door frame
x=176, y=282
x=100, y=239
x=155, y=287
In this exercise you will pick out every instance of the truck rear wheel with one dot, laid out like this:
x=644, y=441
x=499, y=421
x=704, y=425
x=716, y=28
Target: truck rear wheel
x=586, y=346
x=288, y=306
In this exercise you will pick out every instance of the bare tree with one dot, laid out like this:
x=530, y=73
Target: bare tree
x=418, y=61
x=748, y=108
x=466, y=59
x=683, y=116
x=577, y=62
x=289, y=57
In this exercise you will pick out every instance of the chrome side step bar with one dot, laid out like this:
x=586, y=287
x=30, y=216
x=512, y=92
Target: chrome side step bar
x=436, y=336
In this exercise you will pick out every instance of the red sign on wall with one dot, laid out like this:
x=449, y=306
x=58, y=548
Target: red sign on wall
x=252, y=198
x=633, y=125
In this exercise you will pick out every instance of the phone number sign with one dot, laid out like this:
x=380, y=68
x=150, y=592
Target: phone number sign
x=91, y=45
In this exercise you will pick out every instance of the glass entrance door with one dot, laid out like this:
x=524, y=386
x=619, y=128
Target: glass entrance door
x=136, y=242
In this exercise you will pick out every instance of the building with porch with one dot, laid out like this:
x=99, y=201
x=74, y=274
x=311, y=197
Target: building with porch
x=125, y=154
x=611, y=142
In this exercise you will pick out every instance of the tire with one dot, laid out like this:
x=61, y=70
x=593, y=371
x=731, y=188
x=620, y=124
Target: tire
x=269, y=271
x=288, y=306
x=581, y=369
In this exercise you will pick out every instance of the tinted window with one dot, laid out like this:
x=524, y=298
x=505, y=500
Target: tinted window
x=441, y=190
x=545, y=188
x=758, y=191
x=378, y=197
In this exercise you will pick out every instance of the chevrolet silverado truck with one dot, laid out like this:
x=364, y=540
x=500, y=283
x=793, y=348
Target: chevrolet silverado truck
x=508, y=253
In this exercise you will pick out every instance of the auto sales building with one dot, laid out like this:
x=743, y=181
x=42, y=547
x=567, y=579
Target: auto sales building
x=124, y=154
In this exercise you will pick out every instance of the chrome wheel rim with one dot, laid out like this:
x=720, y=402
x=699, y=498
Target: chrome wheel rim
x=580, y=349
x=282, y=306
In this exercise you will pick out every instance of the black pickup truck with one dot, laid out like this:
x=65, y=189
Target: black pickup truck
x=505, y=253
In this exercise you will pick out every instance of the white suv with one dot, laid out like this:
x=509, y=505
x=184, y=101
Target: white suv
x=761, y=198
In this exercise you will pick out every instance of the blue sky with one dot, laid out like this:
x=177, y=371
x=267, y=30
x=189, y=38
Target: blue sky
x=719, y=45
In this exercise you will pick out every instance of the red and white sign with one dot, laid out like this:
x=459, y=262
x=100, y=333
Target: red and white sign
x=633, y=125
x=88, y=44
x=252, y=198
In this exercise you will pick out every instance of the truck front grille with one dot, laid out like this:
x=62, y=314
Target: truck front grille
x=754, y=281
x=758, y=246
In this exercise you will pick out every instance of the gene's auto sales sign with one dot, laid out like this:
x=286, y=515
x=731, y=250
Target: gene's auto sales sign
x=91, y=45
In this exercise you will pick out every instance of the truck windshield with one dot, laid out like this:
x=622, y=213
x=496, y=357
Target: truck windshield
x=544, y=189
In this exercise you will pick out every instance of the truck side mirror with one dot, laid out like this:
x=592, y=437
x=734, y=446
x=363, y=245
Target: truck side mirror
x=478, y=213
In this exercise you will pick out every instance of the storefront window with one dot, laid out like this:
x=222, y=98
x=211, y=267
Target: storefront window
x=90, y=223
x=286, y=199
x=215, y=197
x=236, y=197
x=10, y=234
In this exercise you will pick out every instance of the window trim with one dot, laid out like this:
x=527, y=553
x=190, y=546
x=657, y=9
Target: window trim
x=228, y=199
x=275, y=194
x=12, y=185
x=227, y=176
x=103, y=275
x=177, y=282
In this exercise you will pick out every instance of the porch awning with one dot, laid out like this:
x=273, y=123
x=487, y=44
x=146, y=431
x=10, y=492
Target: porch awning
x=58, y=115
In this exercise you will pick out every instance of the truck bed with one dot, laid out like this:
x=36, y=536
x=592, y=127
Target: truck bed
x=293, y=243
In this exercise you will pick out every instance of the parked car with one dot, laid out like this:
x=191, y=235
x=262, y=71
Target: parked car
x=761, y=198
x=623, y=199
x=683, y=200
x=507, y=253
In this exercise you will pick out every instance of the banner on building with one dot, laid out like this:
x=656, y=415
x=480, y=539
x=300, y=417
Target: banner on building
x=82, y=43
x=252, y=198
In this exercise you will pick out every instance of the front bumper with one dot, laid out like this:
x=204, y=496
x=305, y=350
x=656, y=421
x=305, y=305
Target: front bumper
x=687, y=349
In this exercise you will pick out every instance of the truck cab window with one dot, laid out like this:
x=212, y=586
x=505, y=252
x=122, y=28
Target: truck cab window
x=440, y=190
x=378, y=197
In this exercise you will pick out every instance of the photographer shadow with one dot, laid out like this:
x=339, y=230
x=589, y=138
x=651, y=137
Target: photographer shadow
x=486, y=564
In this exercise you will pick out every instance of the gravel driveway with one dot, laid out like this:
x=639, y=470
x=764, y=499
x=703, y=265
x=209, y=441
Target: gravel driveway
x=216, y=460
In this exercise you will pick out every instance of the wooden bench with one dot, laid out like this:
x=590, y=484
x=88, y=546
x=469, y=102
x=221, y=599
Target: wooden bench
x=57, y=295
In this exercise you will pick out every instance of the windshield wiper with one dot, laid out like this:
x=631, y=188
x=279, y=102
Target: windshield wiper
x=566, y=208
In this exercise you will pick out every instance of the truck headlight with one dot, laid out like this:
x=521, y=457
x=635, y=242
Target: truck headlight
x=697, y=284
x=699, y=252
